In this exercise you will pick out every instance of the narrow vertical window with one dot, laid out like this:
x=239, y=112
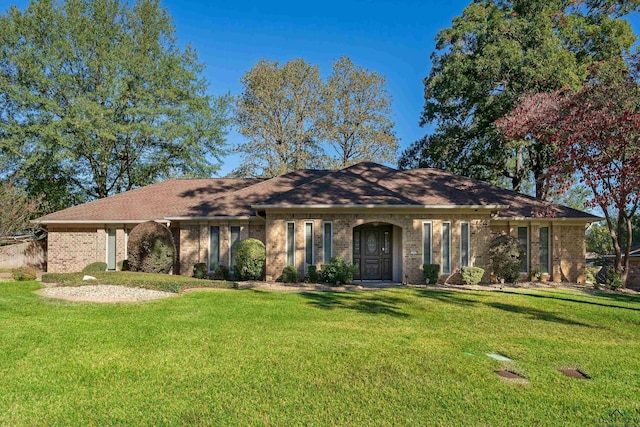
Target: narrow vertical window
x=464, y=244
x=234, y=238
x=545, y=259
x=111, y=249
x=214, y=248
x=523, y=240
x=308, y=244
x=426, y=243
x=446, y=248
x=327, y=242
x=291, y=243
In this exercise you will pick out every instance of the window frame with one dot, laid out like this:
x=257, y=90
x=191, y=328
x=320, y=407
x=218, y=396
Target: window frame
x=293, y=236
x=209, y=260
x=306, y=248
x=527, y=248
x=324, y=241
x=424, y=258
x=231, y=227
x=468, y=224
x=548, y=266
x=442, y=270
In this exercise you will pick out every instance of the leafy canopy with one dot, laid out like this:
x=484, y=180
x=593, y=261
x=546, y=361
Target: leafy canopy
x=493, y=54
x=97, y=98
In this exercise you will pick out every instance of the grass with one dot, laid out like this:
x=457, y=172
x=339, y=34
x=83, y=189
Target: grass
x=159, y=282
x=249, y=357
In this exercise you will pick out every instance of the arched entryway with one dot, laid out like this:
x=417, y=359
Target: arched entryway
x=373, y=251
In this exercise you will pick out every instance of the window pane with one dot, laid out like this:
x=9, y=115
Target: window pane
x=235, y=238
x=446, y=248
x=308, y=244
x=464, y=244
x=328, y=242
x=214, y=248
x=523, y=240
x=290, y=243
x=356, y=242
x=426, y=243
x=544, y=250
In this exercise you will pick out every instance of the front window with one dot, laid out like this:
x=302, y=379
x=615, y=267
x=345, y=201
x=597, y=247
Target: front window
x=308, y=244
x=545, y=265
x=235, y=238
x=291, y=243
x=214, y=247
x=426, y=243
x=464, y=244
x=446, y=248
x=523, y=240
x=327, y=243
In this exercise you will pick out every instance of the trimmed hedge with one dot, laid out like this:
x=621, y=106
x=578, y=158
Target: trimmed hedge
x=505, y=255
x=151, y=248
x=430, y=272
x=312, y=271
x=23, y=274
x=250, y=256
x=159, y=282
x=95, y=267
x=200, y=270
x=221, y=273
x=290, y=274
x=472, y=275
x=337, y=271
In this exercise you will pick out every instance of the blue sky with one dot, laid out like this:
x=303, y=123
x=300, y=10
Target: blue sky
x=392, y=37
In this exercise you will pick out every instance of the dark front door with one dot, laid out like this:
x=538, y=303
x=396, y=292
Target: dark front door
x=372, y=252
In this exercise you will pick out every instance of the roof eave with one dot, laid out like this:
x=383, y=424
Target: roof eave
x=92, y=221
x=372, y=206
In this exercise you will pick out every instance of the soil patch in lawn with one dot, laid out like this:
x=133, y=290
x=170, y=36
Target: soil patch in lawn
x=574, y=373
x=103, y=293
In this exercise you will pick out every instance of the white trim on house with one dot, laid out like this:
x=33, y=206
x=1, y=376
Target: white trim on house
x=231, y=243
x=126, y=243
x=424, y=258
x=209, y=248
x=210, y=218
x=98, y=221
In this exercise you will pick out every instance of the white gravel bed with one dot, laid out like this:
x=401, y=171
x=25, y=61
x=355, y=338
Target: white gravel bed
x=103, y=293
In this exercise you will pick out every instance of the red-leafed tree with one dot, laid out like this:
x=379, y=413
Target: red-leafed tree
x=595, y=133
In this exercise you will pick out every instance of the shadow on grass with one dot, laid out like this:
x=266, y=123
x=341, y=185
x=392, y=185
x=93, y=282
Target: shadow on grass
x=463, y=300
x=614, y=297
x=368, y=303
x=536, y=314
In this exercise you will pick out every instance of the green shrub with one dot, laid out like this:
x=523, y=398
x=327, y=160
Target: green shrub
x=250, y=255
x=505, y=254
x=289, y=274
x=24, y=273
x=535, y=275
x=200, y=270
x=123, y=265
x=430, y=273
x=95, y=267
x=614, y=280
x=221, y=272
x=313, y=274
x=472, y=275
x=337, y=271
x=151, y=248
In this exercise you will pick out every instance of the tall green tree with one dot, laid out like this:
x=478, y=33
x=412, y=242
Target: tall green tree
x=356, y=115
x=495, y=53
x=277, y=113
x=97, y=98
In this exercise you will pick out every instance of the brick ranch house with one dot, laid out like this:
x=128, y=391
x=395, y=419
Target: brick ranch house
x=386, y=221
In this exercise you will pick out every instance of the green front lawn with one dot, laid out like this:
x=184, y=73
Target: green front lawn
x=248, y=357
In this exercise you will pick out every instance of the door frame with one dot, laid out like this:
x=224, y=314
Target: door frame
x=386, y=274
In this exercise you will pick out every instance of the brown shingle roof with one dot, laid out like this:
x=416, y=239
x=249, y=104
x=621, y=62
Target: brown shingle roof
x=365, y=183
